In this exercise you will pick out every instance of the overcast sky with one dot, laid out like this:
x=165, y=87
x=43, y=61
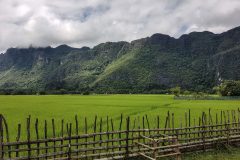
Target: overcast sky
x=89, y=22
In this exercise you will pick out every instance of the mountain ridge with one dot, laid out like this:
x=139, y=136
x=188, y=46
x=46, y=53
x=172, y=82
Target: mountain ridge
x=196, y=61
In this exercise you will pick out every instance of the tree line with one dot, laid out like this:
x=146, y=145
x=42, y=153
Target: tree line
x=226, y=88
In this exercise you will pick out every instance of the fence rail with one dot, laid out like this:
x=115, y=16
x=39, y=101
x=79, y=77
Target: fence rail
x=135, y=139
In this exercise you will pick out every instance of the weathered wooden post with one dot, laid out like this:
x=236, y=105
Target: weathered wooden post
x=203, y=130
x=186, y=125
x=120, y=135
x=155, y=151
x=238, y=125
x=37, y=137
x=28, y=137
x=45, y=137
x=17, y=139
x=189, y=124
x=62, y=134
x=228, y=133
x=134, y=124
x=69, y=130
x=54, y=136
x=1, y=136
x=148, y=124
x=76, y=132
x=94, y=131
x=127, y=137
x=86, y=132
x=177, y=150
x=173, y=125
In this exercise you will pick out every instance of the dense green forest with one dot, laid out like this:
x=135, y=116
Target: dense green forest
x=196, y=62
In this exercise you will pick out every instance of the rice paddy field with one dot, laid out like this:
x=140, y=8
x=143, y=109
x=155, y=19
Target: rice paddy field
x=17, y=108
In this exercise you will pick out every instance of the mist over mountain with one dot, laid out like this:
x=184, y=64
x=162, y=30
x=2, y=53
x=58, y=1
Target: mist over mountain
x=197, y=61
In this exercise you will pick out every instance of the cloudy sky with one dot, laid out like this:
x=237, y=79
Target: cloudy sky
x=89, y=22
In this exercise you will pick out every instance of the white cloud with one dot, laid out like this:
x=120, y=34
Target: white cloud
x=89, y=22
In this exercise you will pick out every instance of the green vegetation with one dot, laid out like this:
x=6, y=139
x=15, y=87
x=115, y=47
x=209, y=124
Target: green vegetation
x=196, y=62
x=17, y=108
x=229, y=153
x=176, y=91
x=229, y=88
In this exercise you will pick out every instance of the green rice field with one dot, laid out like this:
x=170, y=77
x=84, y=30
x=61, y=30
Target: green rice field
x=17, y=108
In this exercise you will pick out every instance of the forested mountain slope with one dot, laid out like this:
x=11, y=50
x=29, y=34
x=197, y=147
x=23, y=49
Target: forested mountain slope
x=196, y=61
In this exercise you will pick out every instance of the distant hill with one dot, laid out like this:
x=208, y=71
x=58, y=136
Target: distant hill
x=197, y=61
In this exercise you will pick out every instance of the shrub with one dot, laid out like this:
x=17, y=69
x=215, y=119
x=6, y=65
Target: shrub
x=229, y=88
x=176, y=91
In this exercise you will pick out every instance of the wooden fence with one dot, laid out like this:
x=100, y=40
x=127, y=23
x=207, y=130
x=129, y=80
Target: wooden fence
x=203, y=133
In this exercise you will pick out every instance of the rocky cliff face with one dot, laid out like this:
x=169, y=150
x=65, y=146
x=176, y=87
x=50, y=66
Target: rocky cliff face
x=197, y=61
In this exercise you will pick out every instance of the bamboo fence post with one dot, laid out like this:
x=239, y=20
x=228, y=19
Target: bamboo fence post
x=155, y=150
x=17, y=139
x=166, y=124
x=62, y=134
x=199, y=124
x=100, y=137
x=173, y=129
x=177, y=150
x=54, y=136
x=207, y=127
x=225, y=123
x=228, y=135
x=221, y=121
x=67, y=127
x=143, y=124
x=134, y=125
x=127, y=137
x=86, y=132
x=228, y=118
x=108, y=135
x=238, y=119
x=1, y=136
x=28, y=136
x=177, y=134
x=158, y=123
x=4, y=122
x=216, y=123
x=45, y=136
x=189, y=123
x=210, y=123
x=228, y=126
x=203, y=130
x=233, y=120
x=155, y=123
x=139, y=133
x=112, y=133
x=69, y=142
x=181, y=127
x=94, y=130
x=120, y=135
x=194, y=124
x=218, y=133
x=169, y=123
x=209, y=116
x=186, y=125
x=155, y=153
x=37, y=137
x=148, y=123
x=76, y=132
x=207, y=124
